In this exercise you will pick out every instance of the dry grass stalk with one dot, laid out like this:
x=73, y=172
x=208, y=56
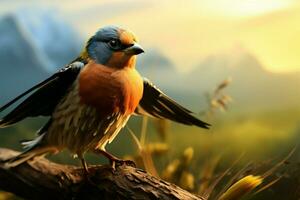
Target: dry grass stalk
x=218, y=100
x=242, y=187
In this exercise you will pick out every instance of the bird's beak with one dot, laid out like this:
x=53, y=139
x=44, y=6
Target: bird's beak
x=135, y=49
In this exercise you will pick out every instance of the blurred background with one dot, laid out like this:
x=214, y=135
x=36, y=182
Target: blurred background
x=236, y=64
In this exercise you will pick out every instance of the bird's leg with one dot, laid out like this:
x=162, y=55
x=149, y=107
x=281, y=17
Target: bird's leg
x=86, y=170
x=113, y=159
x=84, y=164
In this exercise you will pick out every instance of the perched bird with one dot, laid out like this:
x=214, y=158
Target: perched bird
x=90, y=100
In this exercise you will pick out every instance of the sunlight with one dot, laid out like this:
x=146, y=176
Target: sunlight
x=245, y=8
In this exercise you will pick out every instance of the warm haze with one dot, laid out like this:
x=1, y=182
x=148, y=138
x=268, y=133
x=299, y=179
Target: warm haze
x=234, y=63
x=188, y=31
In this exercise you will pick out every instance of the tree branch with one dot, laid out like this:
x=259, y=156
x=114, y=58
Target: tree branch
x=42, y=179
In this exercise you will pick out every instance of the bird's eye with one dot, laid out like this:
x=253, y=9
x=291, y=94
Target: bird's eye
x=114, y=44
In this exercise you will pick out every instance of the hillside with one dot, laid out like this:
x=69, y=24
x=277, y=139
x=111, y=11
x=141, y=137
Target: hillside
x=157, y=67
x=252, y=86
x=33, y=46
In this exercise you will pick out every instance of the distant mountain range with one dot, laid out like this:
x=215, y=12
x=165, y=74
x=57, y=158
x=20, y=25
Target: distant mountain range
x=35, y=45
x=155, y=66
x=252, y=87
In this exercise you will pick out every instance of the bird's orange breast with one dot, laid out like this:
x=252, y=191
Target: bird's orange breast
x=109, y=89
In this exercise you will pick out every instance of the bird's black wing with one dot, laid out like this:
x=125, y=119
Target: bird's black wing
x=155, y=103
x=44, y=96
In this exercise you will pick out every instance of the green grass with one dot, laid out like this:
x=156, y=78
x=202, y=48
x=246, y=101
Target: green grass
x=260, y=136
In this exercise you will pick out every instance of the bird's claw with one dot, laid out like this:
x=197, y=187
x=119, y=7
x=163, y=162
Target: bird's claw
x=115, y=161
x=130, y=163
x=119, y=162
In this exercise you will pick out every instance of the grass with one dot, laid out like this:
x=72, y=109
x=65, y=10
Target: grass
x=264, y=139
x=194, y=158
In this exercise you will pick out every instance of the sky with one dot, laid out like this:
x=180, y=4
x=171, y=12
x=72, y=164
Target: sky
x=189, y=31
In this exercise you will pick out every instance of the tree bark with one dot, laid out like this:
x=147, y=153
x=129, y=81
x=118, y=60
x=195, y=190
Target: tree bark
x=42, y=179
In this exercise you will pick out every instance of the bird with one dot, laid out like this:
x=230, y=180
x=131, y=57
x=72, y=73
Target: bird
x=89, y=100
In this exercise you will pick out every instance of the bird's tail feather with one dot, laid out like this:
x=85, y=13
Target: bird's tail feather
x=30, y=144
x=33, y=148
x=3, y=124
x=25, y=156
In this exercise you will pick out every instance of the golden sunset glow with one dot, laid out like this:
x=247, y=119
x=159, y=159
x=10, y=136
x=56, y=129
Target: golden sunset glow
x=189, y=31
x=243, y=8
x=212, y=87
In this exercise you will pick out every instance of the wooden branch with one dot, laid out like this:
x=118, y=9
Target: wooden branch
x=42, y=179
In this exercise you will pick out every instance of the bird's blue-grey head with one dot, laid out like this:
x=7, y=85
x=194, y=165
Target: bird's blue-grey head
x=112, y=45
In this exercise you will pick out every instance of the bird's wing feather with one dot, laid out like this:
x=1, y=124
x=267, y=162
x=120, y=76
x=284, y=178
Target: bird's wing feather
x=157, y=104
x=44, y=96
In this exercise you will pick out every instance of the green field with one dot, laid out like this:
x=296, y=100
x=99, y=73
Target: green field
x=258, y=137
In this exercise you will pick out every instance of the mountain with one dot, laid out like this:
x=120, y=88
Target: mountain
x=55, y=40
x=33, y=44
x=252, y=88
x=157, y=67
